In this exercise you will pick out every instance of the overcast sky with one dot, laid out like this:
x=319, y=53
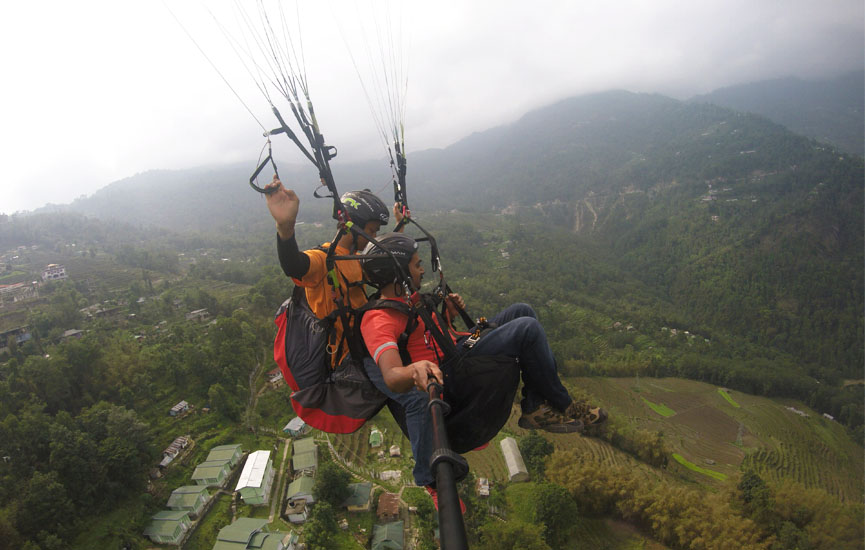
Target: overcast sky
x=94, y=91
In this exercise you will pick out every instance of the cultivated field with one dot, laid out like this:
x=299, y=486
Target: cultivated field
x=712, y=436
x=708, y=430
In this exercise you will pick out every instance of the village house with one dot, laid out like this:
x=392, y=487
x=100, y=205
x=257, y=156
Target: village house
x=388, y=507
x=9, y=294
x=275, y=378
x=390, y=536
x=212, y=473
x=54, y=272
x=298, y=499
x=304, y=458
x=252, y=533
x=394, y=451
x=256, y=478
x=231, y=453
x=360, y=498
x=171, y=452
x=296, y=427
x=71, y=334
x=20, y=335
x=198, y=315
x=375, y=438
x=168, y=527
x=179, y=409
x=483, y=487
x=514, y=460
x=189, y=498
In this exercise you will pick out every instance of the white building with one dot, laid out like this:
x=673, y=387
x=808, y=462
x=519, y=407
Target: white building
x=516, y=467
x=256, y=478
x=54, y=272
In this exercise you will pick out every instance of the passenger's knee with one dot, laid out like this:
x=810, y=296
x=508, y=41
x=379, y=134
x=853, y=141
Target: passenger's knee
x=524, y=310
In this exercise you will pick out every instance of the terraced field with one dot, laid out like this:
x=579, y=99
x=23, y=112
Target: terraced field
x=709, y=431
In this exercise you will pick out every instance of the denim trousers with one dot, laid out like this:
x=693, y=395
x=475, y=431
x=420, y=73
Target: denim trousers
x=518, y=334
x=417, y=419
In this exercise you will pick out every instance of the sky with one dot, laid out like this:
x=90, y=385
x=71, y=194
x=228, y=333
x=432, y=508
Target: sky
x=95, y=91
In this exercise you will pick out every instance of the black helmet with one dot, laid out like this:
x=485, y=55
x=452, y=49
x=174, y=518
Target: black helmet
x=380, y=269
x=363, y=207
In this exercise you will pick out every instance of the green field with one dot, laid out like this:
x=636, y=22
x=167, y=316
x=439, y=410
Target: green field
x=693, y=467
x=760, y=433
x=727, y=397
x=661, y=409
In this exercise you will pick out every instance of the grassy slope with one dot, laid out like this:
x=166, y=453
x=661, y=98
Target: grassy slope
x=708, y=431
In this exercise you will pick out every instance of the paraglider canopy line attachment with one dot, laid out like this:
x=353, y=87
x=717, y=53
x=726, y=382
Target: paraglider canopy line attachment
x=459, y=464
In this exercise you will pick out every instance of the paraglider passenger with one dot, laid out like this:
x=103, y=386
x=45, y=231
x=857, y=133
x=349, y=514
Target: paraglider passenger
x=546, y=404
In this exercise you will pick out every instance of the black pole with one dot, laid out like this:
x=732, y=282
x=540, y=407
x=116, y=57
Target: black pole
x=449, y=467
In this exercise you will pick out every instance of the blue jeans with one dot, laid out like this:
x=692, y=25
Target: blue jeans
x=417, y=419
x=520, y=334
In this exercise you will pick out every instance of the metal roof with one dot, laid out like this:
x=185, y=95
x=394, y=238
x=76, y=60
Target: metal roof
x=211, y=469
x=295, y=424
x=300, y=487
x=223, y=452
x=360, y=493
x=304, y=445
x=254, y=470
x=303, y=461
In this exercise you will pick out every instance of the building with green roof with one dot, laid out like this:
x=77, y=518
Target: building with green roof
x=189, y=498
x=232, y=453
x=360, y=498
x=252, y=534
x=168, y=527
x=301, y=488
x=389, y=536
x=375, y=438
x=305, y=456
x=305, y=445
x=299, y=497
x=211, y=473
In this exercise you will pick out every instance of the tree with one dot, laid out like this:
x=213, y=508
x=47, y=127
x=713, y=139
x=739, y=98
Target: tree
x=45, y=506
x=331, y=484
x=320, y=527
x=513, y=535
x=223, y=402
x=556, y=510
x=535, y=449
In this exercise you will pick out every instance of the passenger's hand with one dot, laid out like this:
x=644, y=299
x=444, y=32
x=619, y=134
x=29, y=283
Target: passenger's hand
x=454, y=301
x=283, y=205
x=424, y=372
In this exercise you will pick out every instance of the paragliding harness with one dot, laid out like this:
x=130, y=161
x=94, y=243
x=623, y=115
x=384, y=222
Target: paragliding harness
x=334, y=400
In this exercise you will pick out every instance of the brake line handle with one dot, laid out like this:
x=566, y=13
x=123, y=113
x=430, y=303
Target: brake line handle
x=268, y=159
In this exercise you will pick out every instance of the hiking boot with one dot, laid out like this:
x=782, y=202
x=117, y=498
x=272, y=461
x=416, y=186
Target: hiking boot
x=548, y=419
x=435, y=496
x=591, y=417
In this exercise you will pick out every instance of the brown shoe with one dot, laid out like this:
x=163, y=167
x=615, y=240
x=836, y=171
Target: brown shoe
x=588, y=415
x=548, y=419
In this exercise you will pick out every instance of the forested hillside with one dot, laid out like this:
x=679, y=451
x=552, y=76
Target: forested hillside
x=741, y=224
x=83, y=420
x=828, y=110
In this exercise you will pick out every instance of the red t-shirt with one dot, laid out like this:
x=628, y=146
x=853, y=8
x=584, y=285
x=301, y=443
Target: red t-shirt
x=381, y=329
